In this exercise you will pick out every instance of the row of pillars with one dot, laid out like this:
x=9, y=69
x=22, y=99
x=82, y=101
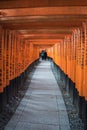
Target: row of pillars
x=17, y=58
x=70, y=54
x=70, y=62
x=16, y=54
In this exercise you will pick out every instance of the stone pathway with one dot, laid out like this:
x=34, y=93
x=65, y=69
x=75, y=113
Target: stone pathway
x=42, y=107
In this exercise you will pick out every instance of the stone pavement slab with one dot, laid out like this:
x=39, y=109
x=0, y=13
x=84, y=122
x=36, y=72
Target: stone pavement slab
x=42, y=107
x=28, y=126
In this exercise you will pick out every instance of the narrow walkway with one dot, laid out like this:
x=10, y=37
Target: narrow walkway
x=42, y=107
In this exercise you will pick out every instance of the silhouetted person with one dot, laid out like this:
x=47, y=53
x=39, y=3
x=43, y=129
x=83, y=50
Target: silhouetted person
x=45, y=55
x=42, y=54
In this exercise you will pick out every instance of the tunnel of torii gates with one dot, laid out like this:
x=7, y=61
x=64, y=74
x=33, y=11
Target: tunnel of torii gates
x=60, y=27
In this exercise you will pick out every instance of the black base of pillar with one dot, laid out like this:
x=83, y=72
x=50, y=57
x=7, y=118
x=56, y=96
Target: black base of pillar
x=8, y=94
x=67, y=84
x=75, y=100
x=81, y=107
x=3, y=100
x=72, y=89
x=85, y=115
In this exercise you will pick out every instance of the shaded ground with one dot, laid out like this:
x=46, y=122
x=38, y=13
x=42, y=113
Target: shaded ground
x=10, y=108
x=75, y=121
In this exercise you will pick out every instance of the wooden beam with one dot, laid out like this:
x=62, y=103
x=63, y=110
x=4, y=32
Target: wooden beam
x=40, y=3
x=66, y=10
x=42, y=25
